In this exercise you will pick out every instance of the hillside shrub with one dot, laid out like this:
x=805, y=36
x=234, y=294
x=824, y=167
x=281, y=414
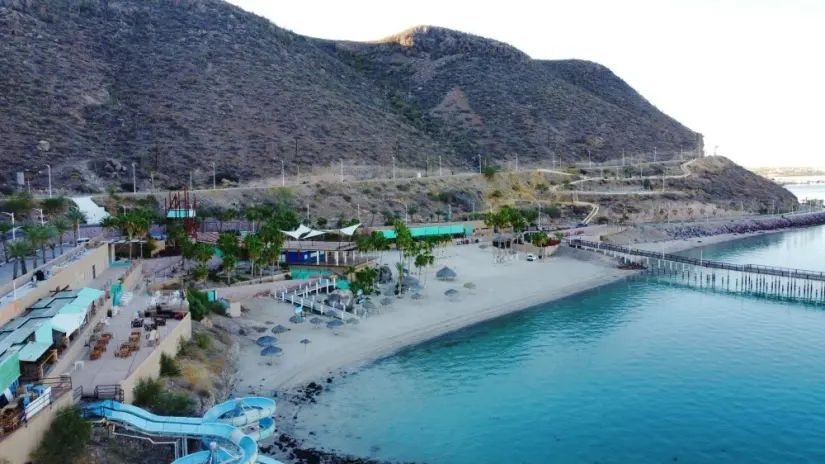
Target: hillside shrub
x=150, y=394
x=65, y=440
x=489, y=172
x=169, y=367
x=202, y=339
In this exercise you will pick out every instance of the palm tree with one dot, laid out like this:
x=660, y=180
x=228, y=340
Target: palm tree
x=61, y=226
x=112, y=223
x=200, y=272
x=203, y=253
x=228, y=264
x=380, y=243
x=254, y=247
x=38, y=235
x=19, y=249
x=226, y=215
x=399, y=266
x=54, y=206
x=5, y=228
x=188, y=250
x=76, y=217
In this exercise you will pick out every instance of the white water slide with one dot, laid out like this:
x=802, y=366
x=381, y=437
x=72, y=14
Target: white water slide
x=231, y=429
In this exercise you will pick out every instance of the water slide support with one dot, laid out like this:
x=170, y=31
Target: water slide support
x=173, y=443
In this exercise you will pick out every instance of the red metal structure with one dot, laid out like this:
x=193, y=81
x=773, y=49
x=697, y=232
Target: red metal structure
x=180, y=210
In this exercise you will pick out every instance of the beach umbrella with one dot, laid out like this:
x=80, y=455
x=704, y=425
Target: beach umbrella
x=353, y=321
x=266, y=341
x=446, y=274
x=279, y=329
x=451, y=293
x=305, y=342
x=271, y=351
x=316, y=321
x=470, y=286
x=334, y=324
x=296, y=319
x=409, y=281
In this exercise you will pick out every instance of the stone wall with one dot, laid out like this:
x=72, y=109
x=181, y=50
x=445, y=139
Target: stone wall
x=150, y=368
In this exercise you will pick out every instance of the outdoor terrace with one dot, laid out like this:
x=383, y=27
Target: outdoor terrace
x=110, y=368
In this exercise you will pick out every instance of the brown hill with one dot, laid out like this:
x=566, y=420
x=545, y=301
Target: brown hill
x=92, y=86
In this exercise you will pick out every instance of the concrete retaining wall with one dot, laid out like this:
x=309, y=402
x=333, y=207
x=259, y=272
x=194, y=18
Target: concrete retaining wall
x=76, y=275
x=16, y=447
x=150, y=368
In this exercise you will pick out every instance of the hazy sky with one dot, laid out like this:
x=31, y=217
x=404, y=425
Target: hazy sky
x=748, y=74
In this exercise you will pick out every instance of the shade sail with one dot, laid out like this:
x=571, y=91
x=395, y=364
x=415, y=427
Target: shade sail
x=34, y=350
x=349, y=230
x=296, y=234
x=314, y=233
x=67, y=323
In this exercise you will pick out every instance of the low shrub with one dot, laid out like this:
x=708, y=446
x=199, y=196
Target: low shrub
x=169, y=367
x=65, y=440
x=152, y=395
x=202, y=339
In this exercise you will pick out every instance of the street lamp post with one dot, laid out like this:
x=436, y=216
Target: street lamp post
x=213, y=176
x=479, y=163
x=283, y=176
x=589, y=159
x=342, y=170
x=393, y=168
x=49, y=168
x=134, y=179
x=440, y=172
x=13, y=236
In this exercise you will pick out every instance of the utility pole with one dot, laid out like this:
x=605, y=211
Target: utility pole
x=190, y=180
x=49, y=168
x=654, y=154
x=440, y=172
x=589, y=160
x=479, y=163
x=134, y=179
x=622, y=157
x=283, y=176
x=393, y=168
x=342, y=170
x=213, y=176
x=516, y=163
x=152, y=177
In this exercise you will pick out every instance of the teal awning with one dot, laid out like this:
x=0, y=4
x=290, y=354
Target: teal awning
x=9, y=369
x=67, y=323
x=33, y=351
x=180, y=213
x=431, y=231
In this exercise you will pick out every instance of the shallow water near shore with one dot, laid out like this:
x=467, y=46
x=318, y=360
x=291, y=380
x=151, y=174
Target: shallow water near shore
x=631, y=372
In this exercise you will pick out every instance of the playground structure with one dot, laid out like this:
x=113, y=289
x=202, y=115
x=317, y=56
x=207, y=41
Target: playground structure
x=180, y=210
x=230, y=431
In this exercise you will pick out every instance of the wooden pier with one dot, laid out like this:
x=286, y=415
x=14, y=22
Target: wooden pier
x=305, y=297
x=752, y=279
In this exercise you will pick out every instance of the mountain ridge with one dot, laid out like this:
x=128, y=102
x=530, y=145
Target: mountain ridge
x=93, y=86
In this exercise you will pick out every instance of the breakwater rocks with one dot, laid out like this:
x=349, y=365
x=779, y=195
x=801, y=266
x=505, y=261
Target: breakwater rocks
x=748, y=226
x=288, y=447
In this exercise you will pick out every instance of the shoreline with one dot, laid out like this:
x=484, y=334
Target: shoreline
x=298, y=383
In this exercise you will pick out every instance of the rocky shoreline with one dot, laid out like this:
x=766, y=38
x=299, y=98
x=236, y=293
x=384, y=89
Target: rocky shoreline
x=287, y=447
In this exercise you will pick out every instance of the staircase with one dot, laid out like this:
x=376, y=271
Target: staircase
x=126, y=298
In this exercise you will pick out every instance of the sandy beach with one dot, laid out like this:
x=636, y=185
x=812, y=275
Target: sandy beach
x=501, y=289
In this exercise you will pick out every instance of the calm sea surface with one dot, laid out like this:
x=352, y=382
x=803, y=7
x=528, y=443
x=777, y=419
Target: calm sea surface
x=631, y=373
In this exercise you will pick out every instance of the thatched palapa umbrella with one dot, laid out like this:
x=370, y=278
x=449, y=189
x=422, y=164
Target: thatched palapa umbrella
x=446, y=274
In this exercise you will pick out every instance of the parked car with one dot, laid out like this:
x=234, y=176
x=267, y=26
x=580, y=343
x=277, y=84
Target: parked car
x=531, y=257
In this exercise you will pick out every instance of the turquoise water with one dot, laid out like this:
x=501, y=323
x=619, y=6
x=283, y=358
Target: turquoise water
x=630, y=373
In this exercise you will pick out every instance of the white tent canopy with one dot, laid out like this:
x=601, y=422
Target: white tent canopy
x=296, y=234
x=349, y=230
x=314, y=233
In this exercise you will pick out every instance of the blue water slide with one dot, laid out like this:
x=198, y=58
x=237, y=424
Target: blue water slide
x=218, y=424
